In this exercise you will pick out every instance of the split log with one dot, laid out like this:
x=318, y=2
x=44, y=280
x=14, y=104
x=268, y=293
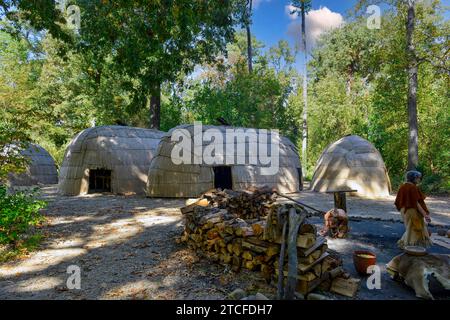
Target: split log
x=247, y=255
x=345, y=287
x=237, y=247
x=249, y=244
x=272, y=251
x=305, y=286
x=320, y=241
x=308, y=228
x=336, y=272
x=197, y=202
x=305, y=268
x=258, y=228
x=306, y=241
x=250, y=265
x=237, y=263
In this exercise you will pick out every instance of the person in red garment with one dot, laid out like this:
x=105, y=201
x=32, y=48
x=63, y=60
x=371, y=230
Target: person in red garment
x=410, y=201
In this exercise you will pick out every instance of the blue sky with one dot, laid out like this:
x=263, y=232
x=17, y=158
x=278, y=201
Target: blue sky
x=271, y=23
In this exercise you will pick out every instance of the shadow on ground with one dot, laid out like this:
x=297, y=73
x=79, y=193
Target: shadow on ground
x=125, y=248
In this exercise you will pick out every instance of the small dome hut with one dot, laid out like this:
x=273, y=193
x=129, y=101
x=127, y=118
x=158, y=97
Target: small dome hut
x=352, y=163
x=41, y=169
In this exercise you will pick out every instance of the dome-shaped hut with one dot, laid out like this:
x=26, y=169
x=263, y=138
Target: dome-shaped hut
x=41, y=169
x=237, y=166
x=352, y=163
x=108, y=159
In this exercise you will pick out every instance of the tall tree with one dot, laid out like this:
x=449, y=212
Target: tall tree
x=152, y=42
x=412, y=67
x=249, y=36
x=413, y=142
x=301, y=7
x=16, y=88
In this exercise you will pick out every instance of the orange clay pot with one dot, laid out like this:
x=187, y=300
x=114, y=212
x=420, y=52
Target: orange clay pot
x=362, y=260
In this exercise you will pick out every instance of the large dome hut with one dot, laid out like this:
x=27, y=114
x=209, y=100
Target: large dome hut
x=168, y=177
x=108, y=159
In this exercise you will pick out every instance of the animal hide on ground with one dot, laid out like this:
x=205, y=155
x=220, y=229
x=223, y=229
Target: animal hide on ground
x=415, y=270
x=335, y=224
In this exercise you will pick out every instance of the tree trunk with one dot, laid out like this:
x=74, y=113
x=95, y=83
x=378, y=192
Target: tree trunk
x=249, y=39
x=155, y=107
x=413, y=143
x=305, y=93
x=350, y=72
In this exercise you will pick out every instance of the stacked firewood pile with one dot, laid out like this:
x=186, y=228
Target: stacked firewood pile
x=253, y=203
x=244, y=229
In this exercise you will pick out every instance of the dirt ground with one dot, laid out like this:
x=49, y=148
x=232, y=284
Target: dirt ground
x=125, y=248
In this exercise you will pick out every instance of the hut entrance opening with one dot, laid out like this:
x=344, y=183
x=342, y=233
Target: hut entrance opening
x=222, y=178
x=99, y=180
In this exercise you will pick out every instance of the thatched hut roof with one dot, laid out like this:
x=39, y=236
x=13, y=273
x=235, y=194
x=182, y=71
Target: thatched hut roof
x=352, y=163
x=125, y=152
x=167, y=179
x=41, y=168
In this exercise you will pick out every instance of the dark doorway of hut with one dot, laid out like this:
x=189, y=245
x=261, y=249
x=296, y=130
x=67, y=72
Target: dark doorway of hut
x=222, y=178
x=99, y=181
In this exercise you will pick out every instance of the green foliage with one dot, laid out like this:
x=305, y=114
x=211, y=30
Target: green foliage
x=16, y=87
x=18, y=212
x=250, y=100
x=145, y=44
x=24, y=246
x=11, y=159
x=40, y=15
x=258, y=99
x=360, y=87
x=435, y=184
x=297, y=4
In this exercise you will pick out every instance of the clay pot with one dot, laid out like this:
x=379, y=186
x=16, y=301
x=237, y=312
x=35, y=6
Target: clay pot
x=362, y=260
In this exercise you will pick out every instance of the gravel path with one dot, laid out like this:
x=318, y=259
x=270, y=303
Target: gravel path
x=125, y=248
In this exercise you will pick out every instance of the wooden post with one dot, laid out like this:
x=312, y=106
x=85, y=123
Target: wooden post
x=295, y=220
x=340, y=198
x=340, y=201
x=280, y=291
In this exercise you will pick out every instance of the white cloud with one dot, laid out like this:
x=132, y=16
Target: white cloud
x=317, y=22
x=288, y=9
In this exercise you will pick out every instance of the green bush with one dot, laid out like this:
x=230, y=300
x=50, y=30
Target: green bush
x=435, y=184
x=18, y=212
